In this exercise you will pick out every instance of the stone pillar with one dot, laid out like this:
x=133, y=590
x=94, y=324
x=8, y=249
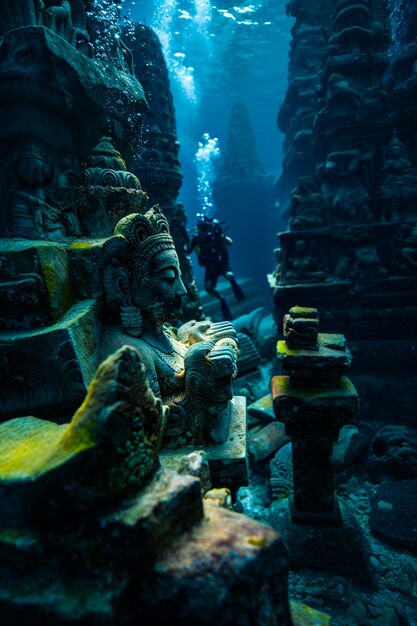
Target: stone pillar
x=314, y=400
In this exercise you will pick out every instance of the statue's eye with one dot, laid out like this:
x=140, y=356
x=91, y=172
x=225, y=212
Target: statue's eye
x=168, y=274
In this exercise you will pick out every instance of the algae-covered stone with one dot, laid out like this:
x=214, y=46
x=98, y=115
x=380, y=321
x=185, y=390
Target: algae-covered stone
x=35, y=286
x=307, y=312
x=300, y=327
x=303, y=615
x=110, y=447
x=322, y=366
x=49, y=368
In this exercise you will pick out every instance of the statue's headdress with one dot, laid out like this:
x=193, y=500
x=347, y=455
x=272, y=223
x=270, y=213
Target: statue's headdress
x=146, y=235
x=127, y=258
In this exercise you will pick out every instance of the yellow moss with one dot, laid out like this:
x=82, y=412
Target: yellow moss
x=344, y=387
x=258, y=542
x=282, y=348
x=50, y=278
x=30, y=447
x=81, y=245
x=303, y=311
x=59, y=290
x=304, y=615
x=265, y=402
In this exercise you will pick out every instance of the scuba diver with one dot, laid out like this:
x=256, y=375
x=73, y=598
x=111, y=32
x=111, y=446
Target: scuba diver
x=210, y=244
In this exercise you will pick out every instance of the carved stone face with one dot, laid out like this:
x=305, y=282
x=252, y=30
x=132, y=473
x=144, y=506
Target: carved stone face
x=159, y=295
x=396, y=151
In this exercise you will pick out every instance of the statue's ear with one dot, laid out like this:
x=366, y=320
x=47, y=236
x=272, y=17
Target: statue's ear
x=116, y=275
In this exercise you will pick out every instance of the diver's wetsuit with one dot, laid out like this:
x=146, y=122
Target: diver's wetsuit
x=210, y=244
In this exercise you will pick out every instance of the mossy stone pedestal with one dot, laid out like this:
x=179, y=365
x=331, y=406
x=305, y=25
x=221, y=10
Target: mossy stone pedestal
x=314, y=401
x=313, y=419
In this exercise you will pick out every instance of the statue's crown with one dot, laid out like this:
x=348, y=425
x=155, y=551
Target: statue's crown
x=147, y=235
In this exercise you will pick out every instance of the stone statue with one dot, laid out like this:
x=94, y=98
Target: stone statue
x=143, y=291
x=360, y=259
x=347, y=196
x=307, y=207
x=405, y=249
x=302, y=266
x=397, y=170
x=28, y=213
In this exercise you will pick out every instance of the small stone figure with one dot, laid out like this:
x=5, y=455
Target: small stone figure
x=302, y=266
x=143, y=291
x=347, y=196
x=397, y=170
x=405, y=249
x=210, y=244
x=307, y=205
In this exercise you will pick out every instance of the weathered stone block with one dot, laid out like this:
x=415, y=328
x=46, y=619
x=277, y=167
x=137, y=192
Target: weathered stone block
x=266, y=441
x=147, y=524
x=212, y=574
x=49, y=367
x=304, y=410
x=326, y=548
x=227, y=460
x=35, y=286
x=84, y=89
x=85, y=257
x=321, y=367
x=300, y=327
x=262, y=409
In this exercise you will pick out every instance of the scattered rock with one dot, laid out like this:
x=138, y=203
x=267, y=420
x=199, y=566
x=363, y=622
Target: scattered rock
x=394, y=514
x=393, y=452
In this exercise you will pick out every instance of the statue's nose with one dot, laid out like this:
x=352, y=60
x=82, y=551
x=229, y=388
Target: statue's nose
x=181, y=290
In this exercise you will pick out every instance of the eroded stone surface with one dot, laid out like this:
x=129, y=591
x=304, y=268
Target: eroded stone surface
x=49, y=367
x=110, y=447
x=227, y=460
x=224, y=558
x=394, y=511
x=35, y=289
x=266, y=441
x=323, y=366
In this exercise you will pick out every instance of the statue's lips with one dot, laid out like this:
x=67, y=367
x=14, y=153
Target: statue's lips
x=177, y=306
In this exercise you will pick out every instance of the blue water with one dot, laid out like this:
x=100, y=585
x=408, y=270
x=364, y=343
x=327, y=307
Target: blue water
x=218, y=53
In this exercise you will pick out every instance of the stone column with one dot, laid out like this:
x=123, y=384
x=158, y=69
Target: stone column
x=314, y=400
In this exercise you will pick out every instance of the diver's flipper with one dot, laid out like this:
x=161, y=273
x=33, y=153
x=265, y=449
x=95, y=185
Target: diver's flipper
x=226, y=312
x=238, y=292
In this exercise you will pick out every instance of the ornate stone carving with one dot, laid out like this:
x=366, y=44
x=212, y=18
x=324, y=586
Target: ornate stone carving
x=307, y=205
x=106, y=168
x=103, y=516
x=405, y=250
x=143, y=291
x=118, y=430
x=397, y=172
x=347, y=196
x=303, y=266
